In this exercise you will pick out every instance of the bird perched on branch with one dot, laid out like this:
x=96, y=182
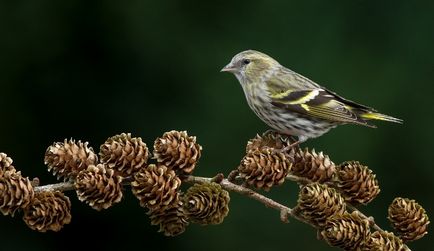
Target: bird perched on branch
x=292, y=104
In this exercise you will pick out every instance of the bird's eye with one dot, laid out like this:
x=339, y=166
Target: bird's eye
x=246, y=61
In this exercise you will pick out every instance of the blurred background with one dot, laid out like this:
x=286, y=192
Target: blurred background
x=92, y=69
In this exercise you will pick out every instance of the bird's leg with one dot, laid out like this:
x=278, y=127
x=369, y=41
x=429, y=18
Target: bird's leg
x=289, y=147
x=294, y=142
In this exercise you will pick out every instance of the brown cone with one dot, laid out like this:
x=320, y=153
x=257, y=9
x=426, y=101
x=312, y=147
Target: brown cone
x=16, y=192
x=172, y=221
x=124, y=154
x=356, y=182
x=314, y=166
x=264, y=168
x=157, y=187
x=347, y=231
x=408, y=218
x=5, y=163
x=206, y=203
x=178, y=151
x=270, y=139
x=49, y=211
x=318, y=203
x=99, y=187
x=66, y=159
x=384, y=241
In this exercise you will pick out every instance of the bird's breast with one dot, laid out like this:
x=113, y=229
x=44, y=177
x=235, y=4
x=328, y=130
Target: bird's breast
x=259, y=101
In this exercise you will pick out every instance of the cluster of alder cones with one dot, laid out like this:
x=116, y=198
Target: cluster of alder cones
x=327, y=190
x=99, y=180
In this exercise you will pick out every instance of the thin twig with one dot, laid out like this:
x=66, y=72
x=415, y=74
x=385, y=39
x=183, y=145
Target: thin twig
x=299, y=180
x=62, y=186
x=370, y=219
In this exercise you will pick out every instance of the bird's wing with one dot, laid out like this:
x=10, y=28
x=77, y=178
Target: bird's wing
x=317, y=103
x=296, y=93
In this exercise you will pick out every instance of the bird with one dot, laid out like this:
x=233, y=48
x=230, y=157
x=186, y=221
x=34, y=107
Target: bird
x=292, y=104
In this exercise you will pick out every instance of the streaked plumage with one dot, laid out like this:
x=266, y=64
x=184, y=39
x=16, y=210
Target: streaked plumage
x=291, y=103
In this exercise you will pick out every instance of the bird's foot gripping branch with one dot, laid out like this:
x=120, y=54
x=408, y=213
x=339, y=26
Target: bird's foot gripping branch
x=326, y=198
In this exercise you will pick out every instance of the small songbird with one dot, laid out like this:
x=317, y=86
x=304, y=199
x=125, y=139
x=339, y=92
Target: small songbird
x=292, y=104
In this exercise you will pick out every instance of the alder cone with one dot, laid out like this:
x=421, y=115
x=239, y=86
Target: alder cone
x=177, y=150
x=16, y=192
x=346, y=231
x=206, y=203
x=316, y=167
x=49, y=211
x=269, y=139
x=318, y=203
x=265, y=168
x=99, y=187
x=124, y=154
x=156, y=187
x=408, y=218
x=66, y=159
x=172, y=221
x=384, y=241
x=5, y=164
x=357, y=182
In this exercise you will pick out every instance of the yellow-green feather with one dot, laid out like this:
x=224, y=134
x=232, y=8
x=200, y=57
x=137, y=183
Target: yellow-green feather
x=379, y=116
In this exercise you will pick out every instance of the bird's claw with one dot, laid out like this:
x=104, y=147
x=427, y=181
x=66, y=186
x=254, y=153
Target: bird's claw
x=287, y=149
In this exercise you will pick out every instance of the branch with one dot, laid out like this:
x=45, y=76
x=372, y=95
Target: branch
x=63, y=186
x=228, y=185
x=299, y=180
x=370, y=219
x=285, y=211
x=225, y=183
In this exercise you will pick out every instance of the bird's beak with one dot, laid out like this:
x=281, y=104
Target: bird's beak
x=229, y=68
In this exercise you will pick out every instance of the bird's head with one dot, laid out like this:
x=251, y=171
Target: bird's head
x=250, y=66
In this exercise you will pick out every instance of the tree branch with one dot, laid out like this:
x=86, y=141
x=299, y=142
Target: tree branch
x=225, y=183
x=370, y=219
x=285, y=211
x=62, y=186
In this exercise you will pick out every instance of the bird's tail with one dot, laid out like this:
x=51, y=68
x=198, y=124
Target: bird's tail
x=378, y=116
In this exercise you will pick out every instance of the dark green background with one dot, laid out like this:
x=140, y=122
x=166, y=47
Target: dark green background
x=92, y=69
